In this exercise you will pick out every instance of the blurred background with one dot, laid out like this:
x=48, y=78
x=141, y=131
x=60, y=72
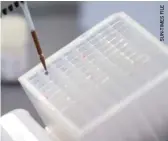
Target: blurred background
x=58, y=23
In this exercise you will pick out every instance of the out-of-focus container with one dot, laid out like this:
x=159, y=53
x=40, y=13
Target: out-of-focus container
x=18, y=125
x=14, y=42
x=108, y=84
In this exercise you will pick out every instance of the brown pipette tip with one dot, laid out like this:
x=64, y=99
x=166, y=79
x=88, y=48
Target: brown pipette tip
x=46, y=72
x=39, y=50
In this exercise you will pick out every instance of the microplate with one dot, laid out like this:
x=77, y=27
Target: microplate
x=97, y=77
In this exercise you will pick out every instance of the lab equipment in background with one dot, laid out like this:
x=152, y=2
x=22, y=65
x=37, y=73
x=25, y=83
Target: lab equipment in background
x=24, y=6
x=18, y=125
x=110, y=83
x=14, y=40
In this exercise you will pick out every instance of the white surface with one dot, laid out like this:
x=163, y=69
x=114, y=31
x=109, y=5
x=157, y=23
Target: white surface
x=14, y=47
x=13, y=66
x=14, y=33
x=18, y=125
x=98, y=85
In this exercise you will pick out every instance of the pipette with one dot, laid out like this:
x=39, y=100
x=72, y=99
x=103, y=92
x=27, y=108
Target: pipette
x=26, y=12
x=24, y=6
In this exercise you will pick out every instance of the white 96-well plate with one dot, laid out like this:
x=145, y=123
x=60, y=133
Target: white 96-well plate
x=101, y=72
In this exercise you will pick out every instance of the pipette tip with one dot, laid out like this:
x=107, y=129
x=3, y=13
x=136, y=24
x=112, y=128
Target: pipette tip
x=46, y=72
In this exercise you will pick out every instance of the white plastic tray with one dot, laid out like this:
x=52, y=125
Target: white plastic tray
x=18, y=125
x=98, y=77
